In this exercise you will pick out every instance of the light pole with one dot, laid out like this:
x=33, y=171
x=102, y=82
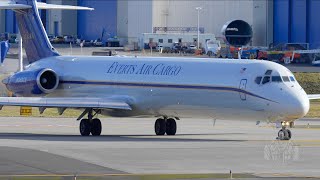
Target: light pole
x=198, y=41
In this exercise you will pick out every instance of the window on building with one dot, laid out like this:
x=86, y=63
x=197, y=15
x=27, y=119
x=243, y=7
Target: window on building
x=160, y=40
x=170, y=41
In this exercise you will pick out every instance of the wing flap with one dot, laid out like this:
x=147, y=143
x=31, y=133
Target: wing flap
x=98, y=103
x=313, y=96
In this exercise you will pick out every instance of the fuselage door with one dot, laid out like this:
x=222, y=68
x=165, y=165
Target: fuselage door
x=242, y=87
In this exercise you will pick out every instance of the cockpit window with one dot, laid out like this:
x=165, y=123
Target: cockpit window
x=266, y=79
x=258, y=79
x=285, y=78
x=276, y=79
x=268, y=72
x=292, y=79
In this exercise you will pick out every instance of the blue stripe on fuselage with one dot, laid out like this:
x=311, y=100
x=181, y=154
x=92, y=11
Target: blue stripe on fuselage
x=175, y=86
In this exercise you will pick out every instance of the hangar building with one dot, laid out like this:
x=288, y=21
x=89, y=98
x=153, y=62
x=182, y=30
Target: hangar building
x=272, y=20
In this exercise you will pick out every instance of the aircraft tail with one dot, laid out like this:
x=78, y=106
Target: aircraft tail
x=34, y=36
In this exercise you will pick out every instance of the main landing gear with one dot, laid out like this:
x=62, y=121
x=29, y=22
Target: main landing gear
x=90, y=125
x=164, y=126
x=284, y=133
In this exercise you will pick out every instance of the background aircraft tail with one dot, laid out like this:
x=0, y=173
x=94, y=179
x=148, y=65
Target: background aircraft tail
x=34, y=36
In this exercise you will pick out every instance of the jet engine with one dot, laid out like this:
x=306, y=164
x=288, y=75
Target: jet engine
x=37, y=82
x=237, y=33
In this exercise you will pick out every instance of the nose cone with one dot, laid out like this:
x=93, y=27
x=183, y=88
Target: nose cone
x=298, y=106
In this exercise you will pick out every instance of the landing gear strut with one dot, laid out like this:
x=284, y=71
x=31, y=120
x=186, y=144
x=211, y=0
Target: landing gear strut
x=164, y=126
x=284, y=134
x=90, y=125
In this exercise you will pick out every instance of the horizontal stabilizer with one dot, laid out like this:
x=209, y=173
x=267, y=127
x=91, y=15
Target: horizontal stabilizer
x=12, y=5
x=66, y=102
x=9, y=4
x=41, y=5
x=313, y=96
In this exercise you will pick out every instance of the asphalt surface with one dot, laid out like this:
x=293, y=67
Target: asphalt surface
x=44, y=146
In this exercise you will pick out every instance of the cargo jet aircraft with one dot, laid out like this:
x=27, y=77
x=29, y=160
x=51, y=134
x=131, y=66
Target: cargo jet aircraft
x=168, y=89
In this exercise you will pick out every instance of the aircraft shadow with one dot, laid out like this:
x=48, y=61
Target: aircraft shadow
x=121, y=138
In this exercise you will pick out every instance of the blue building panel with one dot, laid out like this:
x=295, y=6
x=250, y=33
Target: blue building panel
x=11, y=25
x=281, y=21
x=103, y=20
x=313, y=24
x=298, y=21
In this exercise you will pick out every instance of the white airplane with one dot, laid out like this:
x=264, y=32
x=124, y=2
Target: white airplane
x=166, y=88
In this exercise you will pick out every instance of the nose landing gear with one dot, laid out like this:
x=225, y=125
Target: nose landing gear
x=284, y=134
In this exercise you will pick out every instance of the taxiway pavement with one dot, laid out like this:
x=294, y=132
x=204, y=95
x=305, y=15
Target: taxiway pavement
x=33, y=146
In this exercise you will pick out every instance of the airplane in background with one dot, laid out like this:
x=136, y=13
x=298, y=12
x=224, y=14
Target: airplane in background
x=168, y=89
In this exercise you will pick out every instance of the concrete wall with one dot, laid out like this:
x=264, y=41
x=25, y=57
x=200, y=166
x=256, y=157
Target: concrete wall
x=182, y=13
x=140, y=18
x=67, y=20
x=262, y=22
x=122, y=21
x=52, y=17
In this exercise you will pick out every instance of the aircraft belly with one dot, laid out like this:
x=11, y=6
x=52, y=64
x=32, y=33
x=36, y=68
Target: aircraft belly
x=182, y=103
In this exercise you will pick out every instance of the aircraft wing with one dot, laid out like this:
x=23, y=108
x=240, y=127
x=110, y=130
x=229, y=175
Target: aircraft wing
x=313, y=96
x=68, y=102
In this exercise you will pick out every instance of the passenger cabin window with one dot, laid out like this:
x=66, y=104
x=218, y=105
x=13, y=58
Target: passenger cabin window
x=285, y=78
x=266, y=79
x=292, y=79
x=276, y=79
x=258, y=80
x=268, y=72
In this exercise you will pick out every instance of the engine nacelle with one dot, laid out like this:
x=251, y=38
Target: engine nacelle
x=42, y=81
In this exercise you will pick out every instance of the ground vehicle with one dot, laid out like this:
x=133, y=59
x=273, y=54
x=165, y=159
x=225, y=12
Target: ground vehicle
x=212, y=48
x=159, y=47
x=69, y=39
x=283, y=51
x=166, y=50
x=58, y=40
x=250, y=53
x=191, y=48
x=51, y=38
x=97, y=42
x=176, y=47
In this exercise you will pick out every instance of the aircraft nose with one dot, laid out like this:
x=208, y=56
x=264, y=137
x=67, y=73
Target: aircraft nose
x=298, y=106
